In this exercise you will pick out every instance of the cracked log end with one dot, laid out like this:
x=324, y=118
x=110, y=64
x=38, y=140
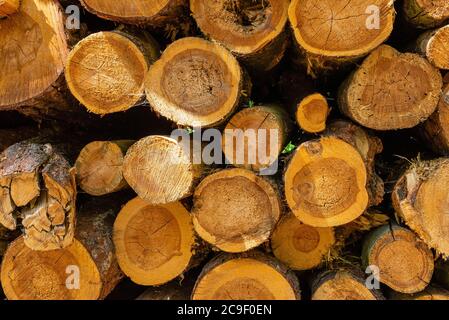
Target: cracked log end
x=329, y=34
x=312, y=112
x=342, y=285
x=299, y=246
x=196, y=83
x=106, y=70
x=251, y=276
x=99, y=167
x=405, y=263
x=391, y=90
x=253, y=30
x=325, y=183
x=426, y=14
x=235, y=210
x=154, y=243
x=420, y=199
x=8, y=7
x=38, y=184
x=246, y=127
x=160, y=170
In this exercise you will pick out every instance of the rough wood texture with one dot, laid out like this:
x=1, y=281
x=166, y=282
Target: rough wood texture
x=426, y=14
x=434, y=46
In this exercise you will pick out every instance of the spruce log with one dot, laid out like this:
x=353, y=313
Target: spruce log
x=235, y=210
x=420, y=197
x=106, y=70
x=247, y=276
x=391, y=90
x=246, y=145
x=99, y=167
x=252, y=30
x=405, y=263
x=312, y=112
x=330, y=35
x=196, y=83
x=434, y=46
x=426, y=14
x=8, y=7
x=155, y=243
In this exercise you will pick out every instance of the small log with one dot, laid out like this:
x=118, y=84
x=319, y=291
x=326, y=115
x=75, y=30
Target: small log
x=433, y=45
x=161, y=170
x=154, y=243
x=391, y=90
x=426, y=14
x=405, y=263
x=99, y=167
x=246, y=145
x=419, y=198
x=248, y=276
x=196, y=83
x=255, y=31
x=312, y=112
x=331, y=35
x=8, y=7
x=235, y=210
x=299, y=246
x=430, y=293
x=106, y=70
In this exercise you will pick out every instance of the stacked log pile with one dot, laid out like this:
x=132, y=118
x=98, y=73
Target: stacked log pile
x=227, y=149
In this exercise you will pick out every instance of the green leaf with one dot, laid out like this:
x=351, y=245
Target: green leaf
x=251, y=103
x=289, y=148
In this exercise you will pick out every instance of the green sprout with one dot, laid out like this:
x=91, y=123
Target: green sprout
x=289, y=148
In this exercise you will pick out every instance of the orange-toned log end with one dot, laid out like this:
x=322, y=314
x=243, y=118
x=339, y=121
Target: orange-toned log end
x=433, y=45
x=430, y=293
x=160, y=170
x=329, y=34
x=420, y=199
x=426, y=14
x=312, y=113
x=154, y=243
x=99, y=167
x=196, y=83
x=253, y=30
x=235, y=210
x=8, y=7
x=405, y=263
x=44, y=275
x=391, y=90
x=342, y=285
x=251, y=276
x=254, y=137
x=299, y=246
x=325, y=183
x=106, y=71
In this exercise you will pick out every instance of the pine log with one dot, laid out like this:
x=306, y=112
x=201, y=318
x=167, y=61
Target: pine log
x=255, y=137
x=391, y=90
x=312, y=112
x=331, y=35
x=434, y=46
x=420, y=197
x=255, y=31
x=45, y=275
x=99, y=167
x=299, y=246
x=161, y=170
x=155, y=243
x=426, y=14
x=405, y=263
x=248, y=276
x=8, y=7
x=196, y=83
x=430, y=293
x=235, y=210
x=106, y=70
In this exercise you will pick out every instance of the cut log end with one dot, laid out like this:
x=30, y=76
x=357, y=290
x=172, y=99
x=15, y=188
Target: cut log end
x=8, y=7
x=325, y=183
x=235, y=210
x=99, y=167
x=426, y=14
x=433, y=45
x=312, y=113
x=195, y=83
x=299, y=246
x=154, y=244
x=413, y=83
x=160, y=170
x=405, y=263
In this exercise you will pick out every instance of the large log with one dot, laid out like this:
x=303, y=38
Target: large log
x=426, y=14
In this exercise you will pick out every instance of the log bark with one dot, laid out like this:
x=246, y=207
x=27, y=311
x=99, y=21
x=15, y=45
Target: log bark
x=99, y=167
x=8, y=7
x=247, y=276
x=196, y=83
x=433, y=45
x=235, y=210
x=328, y=42
x=106, y=70
x=405, y=263
x=391, y=90
x=255, y=31
x=426, y=14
